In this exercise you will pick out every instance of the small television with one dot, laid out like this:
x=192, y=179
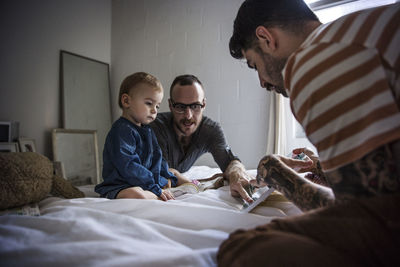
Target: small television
x=9, y=131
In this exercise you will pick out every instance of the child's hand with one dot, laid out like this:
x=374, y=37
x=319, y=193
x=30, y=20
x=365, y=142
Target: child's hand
x=166, y=195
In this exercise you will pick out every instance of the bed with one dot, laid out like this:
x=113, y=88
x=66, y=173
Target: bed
x=93, y=231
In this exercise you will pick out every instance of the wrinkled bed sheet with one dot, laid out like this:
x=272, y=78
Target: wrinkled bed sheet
x=94, y=231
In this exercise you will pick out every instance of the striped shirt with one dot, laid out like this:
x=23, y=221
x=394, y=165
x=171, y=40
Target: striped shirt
x=344, y=85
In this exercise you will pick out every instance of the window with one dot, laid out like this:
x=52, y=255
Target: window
x=328, y=10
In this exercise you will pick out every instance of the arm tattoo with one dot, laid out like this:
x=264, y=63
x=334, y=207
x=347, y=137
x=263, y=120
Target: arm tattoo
x=304, y=194
x=317, y=175
x=374, y=174
x=320, y=173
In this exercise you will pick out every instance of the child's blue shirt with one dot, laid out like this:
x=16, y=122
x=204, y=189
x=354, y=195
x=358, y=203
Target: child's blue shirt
x=132, y=157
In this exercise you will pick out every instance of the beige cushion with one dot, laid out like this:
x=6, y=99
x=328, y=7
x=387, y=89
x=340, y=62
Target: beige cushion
x=28, y=177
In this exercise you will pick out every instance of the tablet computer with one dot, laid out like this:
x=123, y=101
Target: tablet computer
x=258, y=196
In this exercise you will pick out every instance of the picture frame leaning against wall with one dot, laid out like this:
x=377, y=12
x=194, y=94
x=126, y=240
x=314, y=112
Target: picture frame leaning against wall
x=77, y=150
x=9, y=147
x=26, y=144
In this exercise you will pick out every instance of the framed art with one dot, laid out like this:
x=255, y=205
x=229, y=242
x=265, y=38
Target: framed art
x=86, y=95
x=78, y=153
x=9, y=147
x=27, y=145
x=59, y=169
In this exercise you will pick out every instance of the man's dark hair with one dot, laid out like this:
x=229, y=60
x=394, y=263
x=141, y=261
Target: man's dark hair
x=287, y=14
x=186, y=79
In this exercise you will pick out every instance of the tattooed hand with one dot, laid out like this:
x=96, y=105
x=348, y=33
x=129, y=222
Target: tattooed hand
x=316, y=175
x=310, y=157
x=275, y=171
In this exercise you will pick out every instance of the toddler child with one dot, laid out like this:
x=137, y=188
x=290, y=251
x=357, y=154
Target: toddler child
x=133, y=166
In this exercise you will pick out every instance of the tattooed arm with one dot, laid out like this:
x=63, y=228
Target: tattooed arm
x=377, y=173
x=372, y=175
x=303, y=193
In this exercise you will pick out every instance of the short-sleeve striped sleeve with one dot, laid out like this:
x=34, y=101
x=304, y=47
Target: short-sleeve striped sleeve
x=343, y=87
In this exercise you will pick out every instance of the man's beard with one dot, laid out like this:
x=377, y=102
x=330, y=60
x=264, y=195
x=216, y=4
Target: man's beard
x=277, y=89
x=273, y=69
x=181, y=125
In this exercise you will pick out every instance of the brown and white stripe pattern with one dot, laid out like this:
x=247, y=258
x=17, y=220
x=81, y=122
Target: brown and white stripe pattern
x=344, y=85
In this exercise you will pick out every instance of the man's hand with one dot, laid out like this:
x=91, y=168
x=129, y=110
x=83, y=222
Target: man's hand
x=310, y=156
x=315, y=173
x=238, y=178
x=299, y=165
x=277, y=171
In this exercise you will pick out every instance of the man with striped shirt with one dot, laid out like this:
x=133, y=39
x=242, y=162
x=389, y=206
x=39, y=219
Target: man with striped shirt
x=343, y=82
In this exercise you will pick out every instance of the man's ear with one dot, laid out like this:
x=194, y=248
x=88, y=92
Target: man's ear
x=266, y=39
x=204, y=102
x=125, y=100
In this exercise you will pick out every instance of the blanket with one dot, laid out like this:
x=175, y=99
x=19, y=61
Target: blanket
x=362, y=232
x=95, y=231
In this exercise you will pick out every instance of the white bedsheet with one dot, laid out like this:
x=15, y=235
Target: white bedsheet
x=95, y=231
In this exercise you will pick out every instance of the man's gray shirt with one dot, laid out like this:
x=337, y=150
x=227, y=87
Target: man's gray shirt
x=208, y=137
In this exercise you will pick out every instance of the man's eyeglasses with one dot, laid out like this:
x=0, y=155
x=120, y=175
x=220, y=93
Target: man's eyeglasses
x=181, y=108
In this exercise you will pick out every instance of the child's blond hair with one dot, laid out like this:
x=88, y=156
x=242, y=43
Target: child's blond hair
x=130, y=82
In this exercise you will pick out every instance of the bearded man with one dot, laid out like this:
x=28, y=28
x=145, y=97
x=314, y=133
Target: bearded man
x=184, y=134
x=342, y=80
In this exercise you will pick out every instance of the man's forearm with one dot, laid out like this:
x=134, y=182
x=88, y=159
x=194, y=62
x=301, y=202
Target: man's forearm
x=373, y=174
x=234, y=170
x=304, y=194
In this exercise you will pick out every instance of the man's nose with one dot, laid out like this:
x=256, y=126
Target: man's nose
x=188, y=112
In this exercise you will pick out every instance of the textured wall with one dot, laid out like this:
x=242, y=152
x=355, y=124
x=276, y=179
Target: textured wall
x=171, y=37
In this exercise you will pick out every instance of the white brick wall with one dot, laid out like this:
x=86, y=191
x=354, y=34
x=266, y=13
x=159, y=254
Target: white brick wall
x=172, y=37
x=33, y=33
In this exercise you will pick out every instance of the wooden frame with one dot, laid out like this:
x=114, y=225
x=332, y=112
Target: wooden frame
x=59, y=169
x=27, y=144
x=321, y=4
x=86, y=95
x=9, y=147
x=77, y=150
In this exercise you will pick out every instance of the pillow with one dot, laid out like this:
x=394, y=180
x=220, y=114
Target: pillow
x=28, y=177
